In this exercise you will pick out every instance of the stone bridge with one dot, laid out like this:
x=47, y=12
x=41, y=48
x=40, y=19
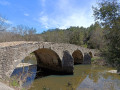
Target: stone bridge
x=58, y=57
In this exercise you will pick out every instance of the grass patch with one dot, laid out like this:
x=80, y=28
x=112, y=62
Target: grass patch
x=14, y=83
x=85, y=45
x=95, y=58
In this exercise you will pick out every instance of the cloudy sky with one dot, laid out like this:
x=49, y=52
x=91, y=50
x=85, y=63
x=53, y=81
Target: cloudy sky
x=48, y=14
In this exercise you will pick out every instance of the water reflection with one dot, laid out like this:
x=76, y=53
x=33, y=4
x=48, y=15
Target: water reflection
x=25, y=72
x=86, y=77
x=25, y=75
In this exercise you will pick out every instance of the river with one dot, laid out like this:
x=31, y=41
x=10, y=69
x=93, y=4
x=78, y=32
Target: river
x=86, y=77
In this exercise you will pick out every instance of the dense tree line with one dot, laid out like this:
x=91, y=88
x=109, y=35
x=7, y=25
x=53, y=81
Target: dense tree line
x=108, y=14
x=91, y=37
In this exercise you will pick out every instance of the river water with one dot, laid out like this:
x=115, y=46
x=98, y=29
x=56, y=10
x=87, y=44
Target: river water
x=86, y=77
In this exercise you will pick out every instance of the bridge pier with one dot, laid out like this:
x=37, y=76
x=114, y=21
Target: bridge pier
x=67, y=63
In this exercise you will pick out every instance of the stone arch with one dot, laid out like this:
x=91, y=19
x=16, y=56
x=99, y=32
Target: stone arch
x=18, y=57
x=47, y=58
x=78, y=57
x=90, y=53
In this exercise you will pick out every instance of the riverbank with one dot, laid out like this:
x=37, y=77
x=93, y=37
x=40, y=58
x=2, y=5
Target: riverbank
x=5, y=87
x=101, y=62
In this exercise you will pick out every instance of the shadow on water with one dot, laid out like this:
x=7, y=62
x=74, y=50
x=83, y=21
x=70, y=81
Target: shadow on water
x=43, y=73
x=30, y=73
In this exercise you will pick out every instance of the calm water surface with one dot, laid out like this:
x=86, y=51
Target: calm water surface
x=86, y=77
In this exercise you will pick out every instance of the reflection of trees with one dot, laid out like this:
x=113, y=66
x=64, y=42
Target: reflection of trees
x=79, y=80
x=97, y=72
x=113, y=76
x=81, y=73
x=76, y=81
x=94, y=76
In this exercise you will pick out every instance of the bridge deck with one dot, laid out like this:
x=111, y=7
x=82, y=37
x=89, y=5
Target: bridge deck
x=14, y=43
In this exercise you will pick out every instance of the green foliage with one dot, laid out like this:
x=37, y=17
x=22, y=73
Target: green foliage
x=14, y=83
x=95, y=58
x=84, y=45
x=86, y=37
x=72, y=35
x=96, y=34
x=108, y=14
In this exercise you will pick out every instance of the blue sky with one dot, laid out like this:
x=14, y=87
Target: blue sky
x=48, y=14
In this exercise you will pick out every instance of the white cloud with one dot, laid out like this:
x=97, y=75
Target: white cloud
x=5, y=21
x=26, y=14
x=2, y=2
x=65, y=15
x=76, y=19
x=44, y=20
x=8, y=22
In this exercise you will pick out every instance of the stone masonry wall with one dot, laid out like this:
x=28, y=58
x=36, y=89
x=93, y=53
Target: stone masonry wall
x=11, y=55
